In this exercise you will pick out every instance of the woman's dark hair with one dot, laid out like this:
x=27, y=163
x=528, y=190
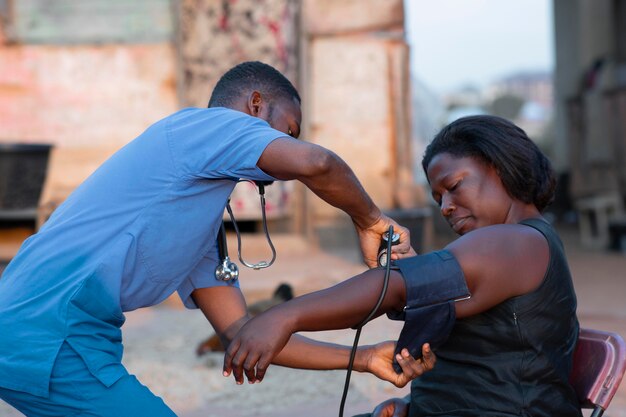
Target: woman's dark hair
x=251, y=75
x=525, y=171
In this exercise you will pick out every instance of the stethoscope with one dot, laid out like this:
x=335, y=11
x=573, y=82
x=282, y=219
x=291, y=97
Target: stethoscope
x=228, y=270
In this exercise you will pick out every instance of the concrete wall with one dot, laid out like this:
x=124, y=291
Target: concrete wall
x=84, y=96
x=90, y=76
x=215, y=35
x=348, y=59
x=89, y=73
x=357, y=94
x=585, y=33
x=590, y=86
x=71, y=22
x=86, y=77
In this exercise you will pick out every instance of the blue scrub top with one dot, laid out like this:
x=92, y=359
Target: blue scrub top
x=141, y=227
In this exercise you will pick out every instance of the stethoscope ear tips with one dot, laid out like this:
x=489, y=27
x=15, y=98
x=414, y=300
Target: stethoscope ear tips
x=227, y=271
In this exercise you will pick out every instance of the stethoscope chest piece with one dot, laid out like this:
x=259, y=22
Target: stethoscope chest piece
x=227, y=270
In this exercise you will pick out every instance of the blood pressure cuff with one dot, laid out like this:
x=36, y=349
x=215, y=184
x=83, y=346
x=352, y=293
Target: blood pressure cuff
x=433, y=283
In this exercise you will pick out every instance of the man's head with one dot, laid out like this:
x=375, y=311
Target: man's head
x=261, y=91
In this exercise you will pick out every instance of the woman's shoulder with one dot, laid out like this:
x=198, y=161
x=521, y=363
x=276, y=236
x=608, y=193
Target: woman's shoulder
x=503, y=236
x=513, y=257
x=503, y=244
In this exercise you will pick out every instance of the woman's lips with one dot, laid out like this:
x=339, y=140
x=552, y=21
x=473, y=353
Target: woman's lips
x=457, y=224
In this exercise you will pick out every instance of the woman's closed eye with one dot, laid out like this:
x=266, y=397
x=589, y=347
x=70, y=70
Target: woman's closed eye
x=455, y=185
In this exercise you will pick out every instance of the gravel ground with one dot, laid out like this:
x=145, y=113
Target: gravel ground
x=194, y=386
x=159, y=346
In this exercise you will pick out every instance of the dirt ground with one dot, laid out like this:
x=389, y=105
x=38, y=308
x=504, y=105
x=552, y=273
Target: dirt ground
x=160, y=341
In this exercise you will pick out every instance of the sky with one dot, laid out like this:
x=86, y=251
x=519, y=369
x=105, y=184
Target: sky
x=460, y=42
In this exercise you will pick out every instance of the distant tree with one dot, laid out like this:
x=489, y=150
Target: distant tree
x=507, y=106
x=546, y=139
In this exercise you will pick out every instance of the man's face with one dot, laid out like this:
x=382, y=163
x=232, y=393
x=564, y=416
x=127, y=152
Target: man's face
x=284, y=115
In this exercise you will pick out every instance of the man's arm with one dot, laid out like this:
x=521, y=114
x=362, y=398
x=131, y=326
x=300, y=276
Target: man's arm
x=224, y=308
x=330, y=178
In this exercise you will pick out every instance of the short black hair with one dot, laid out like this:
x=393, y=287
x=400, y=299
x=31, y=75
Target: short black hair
x=525, y=171
x=251, y=75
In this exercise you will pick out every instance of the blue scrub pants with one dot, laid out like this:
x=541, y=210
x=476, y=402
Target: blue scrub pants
x=74, y=392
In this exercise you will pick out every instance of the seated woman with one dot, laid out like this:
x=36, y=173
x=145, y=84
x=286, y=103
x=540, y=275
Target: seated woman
x=510, y=348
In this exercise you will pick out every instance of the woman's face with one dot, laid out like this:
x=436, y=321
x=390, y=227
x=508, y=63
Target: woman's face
x=469, y=192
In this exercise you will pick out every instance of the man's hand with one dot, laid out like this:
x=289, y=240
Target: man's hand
x=379, y=361
x=371, y=237
x=394, y=407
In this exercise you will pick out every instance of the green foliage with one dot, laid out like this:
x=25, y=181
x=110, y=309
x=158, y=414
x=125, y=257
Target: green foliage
x=507, y=106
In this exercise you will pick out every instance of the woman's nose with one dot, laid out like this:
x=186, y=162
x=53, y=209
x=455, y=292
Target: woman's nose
x=447, y=207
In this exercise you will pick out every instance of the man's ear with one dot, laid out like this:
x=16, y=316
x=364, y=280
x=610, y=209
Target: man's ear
x=255, y=103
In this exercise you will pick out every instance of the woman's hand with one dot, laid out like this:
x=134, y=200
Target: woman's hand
x=378, y=360
x=371, y=237
x=394, y=407
x=254, y=347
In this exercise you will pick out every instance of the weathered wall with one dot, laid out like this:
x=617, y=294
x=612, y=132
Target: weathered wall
x=83, y=95
x=332, y=17
x=93, y=74
x=215, y=35
x=88, y=73
x=587, y=83
x=71, y=22
x=349, y=60
x=358, y=94
x=590, y=87
x=351, y=111
x=85, y=76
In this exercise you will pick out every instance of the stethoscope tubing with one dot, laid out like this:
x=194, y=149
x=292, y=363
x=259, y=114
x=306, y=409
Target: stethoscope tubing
x=262, y=264
x=227, y=270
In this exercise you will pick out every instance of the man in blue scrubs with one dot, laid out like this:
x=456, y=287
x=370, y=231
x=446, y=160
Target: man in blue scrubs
x=143, y=226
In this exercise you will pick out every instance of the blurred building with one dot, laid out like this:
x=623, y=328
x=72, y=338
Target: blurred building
x=465, y=96
x=532, y=86
x=428, y=118
x=590, y=91
x=88, y=76
x=527, y=98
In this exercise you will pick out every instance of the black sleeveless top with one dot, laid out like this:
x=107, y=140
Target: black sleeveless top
x=512, y=360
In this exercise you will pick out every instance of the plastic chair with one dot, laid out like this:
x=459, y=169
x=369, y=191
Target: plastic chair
x=599, y=364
